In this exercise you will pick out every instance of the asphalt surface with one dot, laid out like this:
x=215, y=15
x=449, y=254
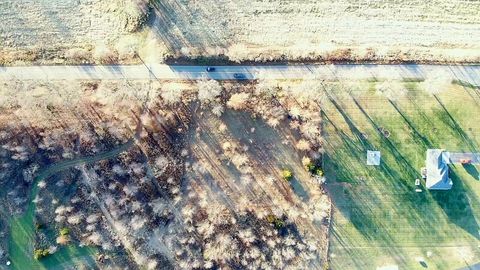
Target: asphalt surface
x=466, y=73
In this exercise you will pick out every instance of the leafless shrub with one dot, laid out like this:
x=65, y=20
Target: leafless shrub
x=171, y=94
x=310, y=130
x=61, y=210
x=239, y=160
x=303, y=145
x=265, y=87
x=93, y=218
x=152, y=264
x=238, y=101
x=247, y=236
x=307, y=91
x=75, y=219
x=95, y=238
x=208, y=90
x=222, y=248
x=63, y=240
x=104, y=55
x=206, y=229
x=117, y=169
x=60, y=219
x=217, y=110
x=78, y=55
x=138, y=222
x=130, y=189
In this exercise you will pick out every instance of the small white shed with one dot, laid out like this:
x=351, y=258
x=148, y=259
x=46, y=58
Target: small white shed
x=373, y=158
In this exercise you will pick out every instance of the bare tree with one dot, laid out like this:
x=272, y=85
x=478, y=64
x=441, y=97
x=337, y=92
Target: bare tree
x=238, y=101
x=208, y=90
x=303, y=145
x=171, y=94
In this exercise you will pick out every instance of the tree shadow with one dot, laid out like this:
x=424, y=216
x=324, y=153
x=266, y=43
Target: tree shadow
x=470, y=168
x=448, y=119
x=367, y=145
x=466, y=82
x=395, y=209
x=348, y=120
x=363, y=199
x=417, y=135
x=360, y=209
x=408, y=168
x=456, y=204
x=299, y=190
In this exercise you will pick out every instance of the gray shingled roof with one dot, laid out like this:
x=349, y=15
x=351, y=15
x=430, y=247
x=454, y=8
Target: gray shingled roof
x=437, y=170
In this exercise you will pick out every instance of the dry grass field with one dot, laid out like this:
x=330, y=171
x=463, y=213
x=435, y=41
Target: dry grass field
x=382, y=30
x=296, y=29
x=59, y=31
x=28, y=23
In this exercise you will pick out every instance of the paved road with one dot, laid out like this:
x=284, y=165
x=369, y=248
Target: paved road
x=469, y=74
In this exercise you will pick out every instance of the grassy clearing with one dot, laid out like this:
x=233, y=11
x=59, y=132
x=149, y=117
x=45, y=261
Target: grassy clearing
x=379, y=219
x=22, y=234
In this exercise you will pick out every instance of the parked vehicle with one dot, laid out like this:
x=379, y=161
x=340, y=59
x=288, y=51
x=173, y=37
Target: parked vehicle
x=239, y=76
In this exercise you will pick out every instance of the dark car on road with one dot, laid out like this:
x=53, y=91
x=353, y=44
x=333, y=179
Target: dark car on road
x=239, y=76
x=210, y=69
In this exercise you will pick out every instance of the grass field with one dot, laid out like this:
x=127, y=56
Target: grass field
x=22, y=233
x=379, y=219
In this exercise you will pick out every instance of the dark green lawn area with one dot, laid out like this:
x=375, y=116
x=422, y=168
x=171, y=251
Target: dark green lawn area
x=379, y=219
x=21, y=247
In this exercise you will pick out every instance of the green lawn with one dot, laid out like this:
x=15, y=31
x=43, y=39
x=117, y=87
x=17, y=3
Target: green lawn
x=379, y=219
x=22, y=236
